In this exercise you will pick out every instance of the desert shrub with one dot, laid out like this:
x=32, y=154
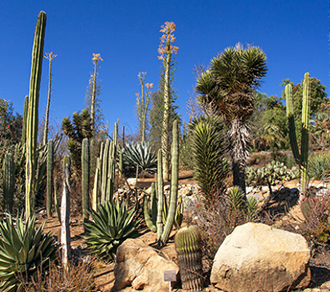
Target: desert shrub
x=319, y=166
x=76, y=278
x=316, y=227
x=219, y=220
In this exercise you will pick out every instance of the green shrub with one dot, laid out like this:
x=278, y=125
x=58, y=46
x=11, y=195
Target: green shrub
x=112, y=224
x=23, y=249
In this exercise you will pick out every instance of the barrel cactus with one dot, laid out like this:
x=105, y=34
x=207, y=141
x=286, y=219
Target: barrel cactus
x=189, y=249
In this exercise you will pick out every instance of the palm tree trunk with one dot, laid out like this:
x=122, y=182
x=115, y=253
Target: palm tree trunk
x=238, y=147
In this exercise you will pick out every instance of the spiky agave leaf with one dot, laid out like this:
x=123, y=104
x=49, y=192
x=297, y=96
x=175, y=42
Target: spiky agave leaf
x=23, y=249
x=235, y=199
x=112, y=224
x=139, y=154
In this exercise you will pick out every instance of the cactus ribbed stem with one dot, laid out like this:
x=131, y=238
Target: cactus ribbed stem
x=32, y=117
x=174, y=184
x=305, y=134
x=104, y=178
x=160, y=191
x=85, y=165
x=8, y=183
x=50, y=164
x=26, y=108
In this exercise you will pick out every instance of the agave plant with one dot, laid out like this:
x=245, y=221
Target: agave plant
x=139, y=154
x=23, y=249
x=112, y=224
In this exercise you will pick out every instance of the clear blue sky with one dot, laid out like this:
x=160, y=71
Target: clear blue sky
x=292, y=33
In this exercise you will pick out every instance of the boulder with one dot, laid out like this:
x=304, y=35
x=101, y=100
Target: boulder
x=257, y=257
x=142, y=267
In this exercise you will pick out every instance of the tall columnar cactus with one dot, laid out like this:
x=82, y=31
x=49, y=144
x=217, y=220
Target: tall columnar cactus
x=160, y=190
x=32, y=116
x=189, y=249
x=174, y=184
x=302, y=156
x=8, y=182
x=50, y=165
x=50, y=56
x=26, y=108
x=85, y=165
x=65, y=212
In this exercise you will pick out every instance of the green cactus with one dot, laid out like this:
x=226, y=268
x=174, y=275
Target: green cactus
x=8, y=183
x=85, y=165
x=302, y=156
x=32, y=116
x=151, y=223
x=56, y=203
x=189, y=249
x=26, y=107
x=96, y=187
x=50, y=164
x=172, y=215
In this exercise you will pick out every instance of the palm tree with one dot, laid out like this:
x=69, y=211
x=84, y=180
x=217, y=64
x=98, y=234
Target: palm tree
x=228, y=88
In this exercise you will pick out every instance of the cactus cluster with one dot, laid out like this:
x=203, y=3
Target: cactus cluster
x=105, y=171
x=165, y=216
x=189, y=249
x=302, y=156
x=269, y=175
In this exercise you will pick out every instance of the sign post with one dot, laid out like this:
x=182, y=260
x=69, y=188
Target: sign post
x=170, y=276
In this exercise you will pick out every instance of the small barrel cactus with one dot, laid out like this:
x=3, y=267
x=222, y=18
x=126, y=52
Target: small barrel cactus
x=189, y=248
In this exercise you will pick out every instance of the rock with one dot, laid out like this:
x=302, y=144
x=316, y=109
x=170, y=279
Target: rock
x=186, y=191
x=248, y=190
x=142, y=267
x=253, y=195
x=167, y=187
x=131, y=181
x=256, y=256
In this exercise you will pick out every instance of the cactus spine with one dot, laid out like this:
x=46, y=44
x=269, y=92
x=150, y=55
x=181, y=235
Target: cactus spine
x=189, y=249
x=32, y=116
x=85, y=165
x=302, y=157
x=8, y=182
x=50, y=164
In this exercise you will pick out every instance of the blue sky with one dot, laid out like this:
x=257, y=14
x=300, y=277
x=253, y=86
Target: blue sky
x=292, y=33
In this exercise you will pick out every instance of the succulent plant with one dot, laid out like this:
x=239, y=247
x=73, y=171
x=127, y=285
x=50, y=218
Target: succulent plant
x=189, y=248
x=23, y=249
x=270, y=174
x=112, y=224
x=301, y=156
x=138, y=154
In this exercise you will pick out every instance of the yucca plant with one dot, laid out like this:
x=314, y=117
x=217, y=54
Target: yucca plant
x=139, y=155
x=23, y=249
x=112, y=224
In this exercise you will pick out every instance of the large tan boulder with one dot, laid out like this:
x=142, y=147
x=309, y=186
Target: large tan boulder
x=142, y=267
x=257, y=257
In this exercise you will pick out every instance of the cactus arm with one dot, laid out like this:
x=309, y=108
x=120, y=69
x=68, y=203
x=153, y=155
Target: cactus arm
x=174, y=184
x=50, y=164
x=160, y=195
x=26, y=108
x=32, y=116
x=85, y=164
x=153, y=204
x=292, y=127
x=305, y=134
x=56, y=203
x=147, y=218
x=8, y=183
x=105, y=168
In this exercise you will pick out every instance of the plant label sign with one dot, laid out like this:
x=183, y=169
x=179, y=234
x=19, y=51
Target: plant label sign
x=170, y=276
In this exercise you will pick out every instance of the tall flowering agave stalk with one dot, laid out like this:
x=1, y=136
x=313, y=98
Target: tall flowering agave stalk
x=165, y=50
x=143, y=104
